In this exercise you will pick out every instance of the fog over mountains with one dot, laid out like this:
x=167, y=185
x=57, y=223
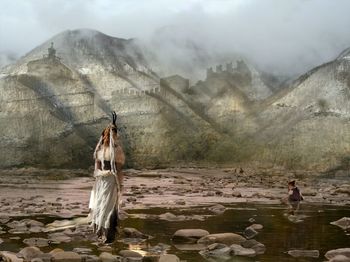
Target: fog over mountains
x=55, y=104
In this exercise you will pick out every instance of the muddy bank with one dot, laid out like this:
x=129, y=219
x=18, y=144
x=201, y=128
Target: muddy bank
x=66, y=192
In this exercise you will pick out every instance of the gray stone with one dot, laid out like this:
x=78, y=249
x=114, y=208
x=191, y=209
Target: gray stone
x=28, y=253
x=249, y=233
x=343, y=223
x=59, y=238
x=171, y=217
x=224, y=238
x=133, y=233
x=82, y=250
x=340, y=251
x=66, y=256
x=258, y=247
x=257, y=226
x=189, y=235
x=108, y=257
x=340, y=258
x=38, y=242
x=238, y=250
x=304, y=253
x=7, y=256
x=217, y=209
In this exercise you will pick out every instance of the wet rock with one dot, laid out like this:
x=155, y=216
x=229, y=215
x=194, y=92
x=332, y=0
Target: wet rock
x=224, y=238
x=304, y=253
x=1, y=241
x=249, y=233
x=251, y=220
x=238, y=250
x=56, y=250
x=258, y=247
x=82, y=250
x=108, y=257
x=90, y=258
x=168, y=258
x=257, y=226
x=216, y=250
x=130, y=253
x=190, y=247
x=335, y=252
x=123, y=215
x=133, y=233
x=171, y=217
x=7, y=256
x=66, y=256
x=340, y=258
x=28, y=253
x=217, y=209
x=189, y=235
x=343, y=223
x=38, y=242
x=59, y=238
x=4, y=220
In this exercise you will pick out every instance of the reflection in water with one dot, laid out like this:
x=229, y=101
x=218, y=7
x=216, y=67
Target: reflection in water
x=308, y=229
x=138, y=248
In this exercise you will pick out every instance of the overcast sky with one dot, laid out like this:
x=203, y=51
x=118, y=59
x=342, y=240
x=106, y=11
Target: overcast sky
x=283, y=36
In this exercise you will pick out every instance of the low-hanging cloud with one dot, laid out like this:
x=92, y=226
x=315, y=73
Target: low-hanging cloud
x=279, y=36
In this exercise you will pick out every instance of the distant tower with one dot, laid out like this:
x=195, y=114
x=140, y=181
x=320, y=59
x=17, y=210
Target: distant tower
x=210, y=72
x=51, y=52
x=219, y=69
x=229, y=68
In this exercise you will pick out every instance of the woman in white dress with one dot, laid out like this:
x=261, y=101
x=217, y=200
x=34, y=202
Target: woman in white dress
x=106, y=193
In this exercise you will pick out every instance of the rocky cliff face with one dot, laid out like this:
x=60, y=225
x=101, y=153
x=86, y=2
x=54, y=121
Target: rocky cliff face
x=55, y=105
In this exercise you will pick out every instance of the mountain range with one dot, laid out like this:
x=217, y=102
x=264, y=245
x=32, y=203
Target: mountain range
x=56, y=100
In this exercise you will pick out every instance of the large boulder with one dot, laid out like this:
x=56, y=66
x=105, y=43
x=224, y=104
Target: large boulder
x=189, y=235
x=224, y=238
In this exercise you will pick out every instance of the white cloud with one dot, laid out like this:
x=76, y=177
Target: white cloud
x=279, y=35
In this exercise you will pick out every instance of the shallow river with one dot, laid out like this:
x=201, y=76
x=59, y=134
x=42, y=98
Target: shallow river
x=278, y=235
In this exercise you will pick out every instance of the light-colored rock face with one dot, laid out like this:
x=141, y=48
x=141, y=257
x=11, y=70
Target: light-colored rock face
x=53, y=110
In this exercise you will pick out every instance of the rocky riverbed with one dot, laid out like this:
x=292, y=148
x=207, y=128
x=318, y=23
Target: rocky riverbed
x=224, y=214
